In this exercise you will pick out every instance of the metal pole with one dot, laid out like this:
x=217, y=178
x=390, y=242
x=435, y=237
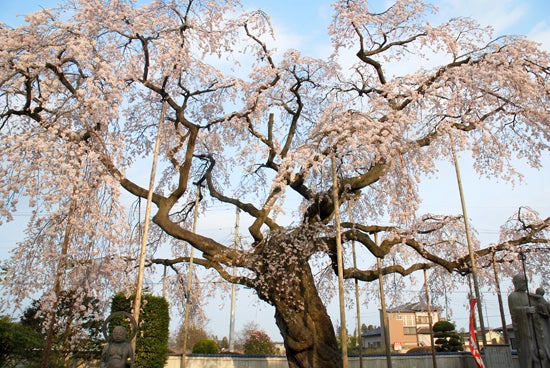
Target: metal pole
x=469, y=241
x=233, y=291
x=143, y=250
x=357, y=301
x=189, y=282
x=339, y=255
x=385, y=322
x=430, y=321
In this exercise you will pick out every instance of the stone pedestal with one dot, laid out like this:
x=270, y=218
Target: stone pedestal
x=498, y=356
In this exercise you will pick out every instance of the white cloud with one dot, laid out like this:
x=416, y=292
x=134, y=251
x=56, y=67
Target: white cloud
x=541, y=34
x=502, y=15
x=286, y=38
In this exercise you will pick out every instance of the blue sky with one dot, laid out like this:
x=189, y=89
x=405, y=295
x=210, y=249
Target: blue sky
x=302, y=25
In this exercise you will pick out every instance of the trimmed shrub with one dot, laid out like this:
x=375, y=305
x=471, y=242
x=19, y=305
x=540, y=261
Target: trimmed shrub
x=420, y=349
x=153, y=332
x=205, y=346
x=447, y=339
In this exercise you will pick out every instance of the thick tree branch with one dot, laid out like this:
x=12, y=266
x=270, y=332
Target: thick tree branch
x=241, y=280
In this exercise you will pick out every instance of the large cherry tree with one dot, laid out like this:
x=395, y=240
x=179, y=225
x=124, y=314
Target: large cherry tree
x=85, y=88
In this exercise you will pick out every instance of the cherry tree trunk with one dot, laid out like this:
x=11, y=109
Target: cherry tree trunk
x=307, y=330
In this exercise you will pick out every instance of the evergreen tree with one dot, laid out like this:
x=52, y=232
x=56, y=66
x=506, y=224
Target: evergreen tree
x=20, y=345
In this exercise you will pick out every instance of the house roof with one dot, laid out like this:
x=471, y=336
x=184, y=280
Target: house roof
x=413, y=307
x=373, y=332
x=509, y=327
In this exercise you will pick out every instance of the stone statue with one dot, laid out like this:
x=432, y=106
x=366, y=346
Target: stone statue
x=118, y=353
x=525, y=310
x=542, y=321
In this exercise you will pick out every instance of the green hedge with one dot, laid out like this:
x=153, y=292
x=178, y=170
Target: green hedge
x=152, y=336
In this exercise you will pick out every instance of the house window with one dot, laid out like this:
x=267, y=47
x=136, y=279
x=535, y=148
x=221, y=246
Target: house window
x=409, y=330
x=423, y=320
x=408, y=319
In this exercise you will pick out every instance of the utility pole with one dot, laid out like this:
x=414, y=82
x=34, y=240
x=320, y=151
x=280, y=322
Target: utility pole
x=469, y=241
x=233, y=290
x=339, y=255
x=164, y=282
x=58, y=283
x=500, y=303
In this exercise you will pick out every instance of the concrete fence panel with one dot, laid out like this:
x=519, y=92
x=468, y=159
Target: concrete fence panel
x=449, y=360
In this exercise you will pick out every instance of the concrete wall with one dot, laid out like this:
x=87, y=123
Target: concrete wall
x=221, y=361
x=460, y=360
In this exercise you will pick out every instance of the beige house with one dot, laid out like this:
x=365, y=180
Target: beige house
x=409, y=326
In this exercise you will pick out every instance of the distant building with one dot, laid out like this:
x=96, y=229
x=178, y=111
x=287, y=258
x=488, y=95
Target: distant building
x=279, y=348
x=408, y=325
x=496, y=336
x=371, y=339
